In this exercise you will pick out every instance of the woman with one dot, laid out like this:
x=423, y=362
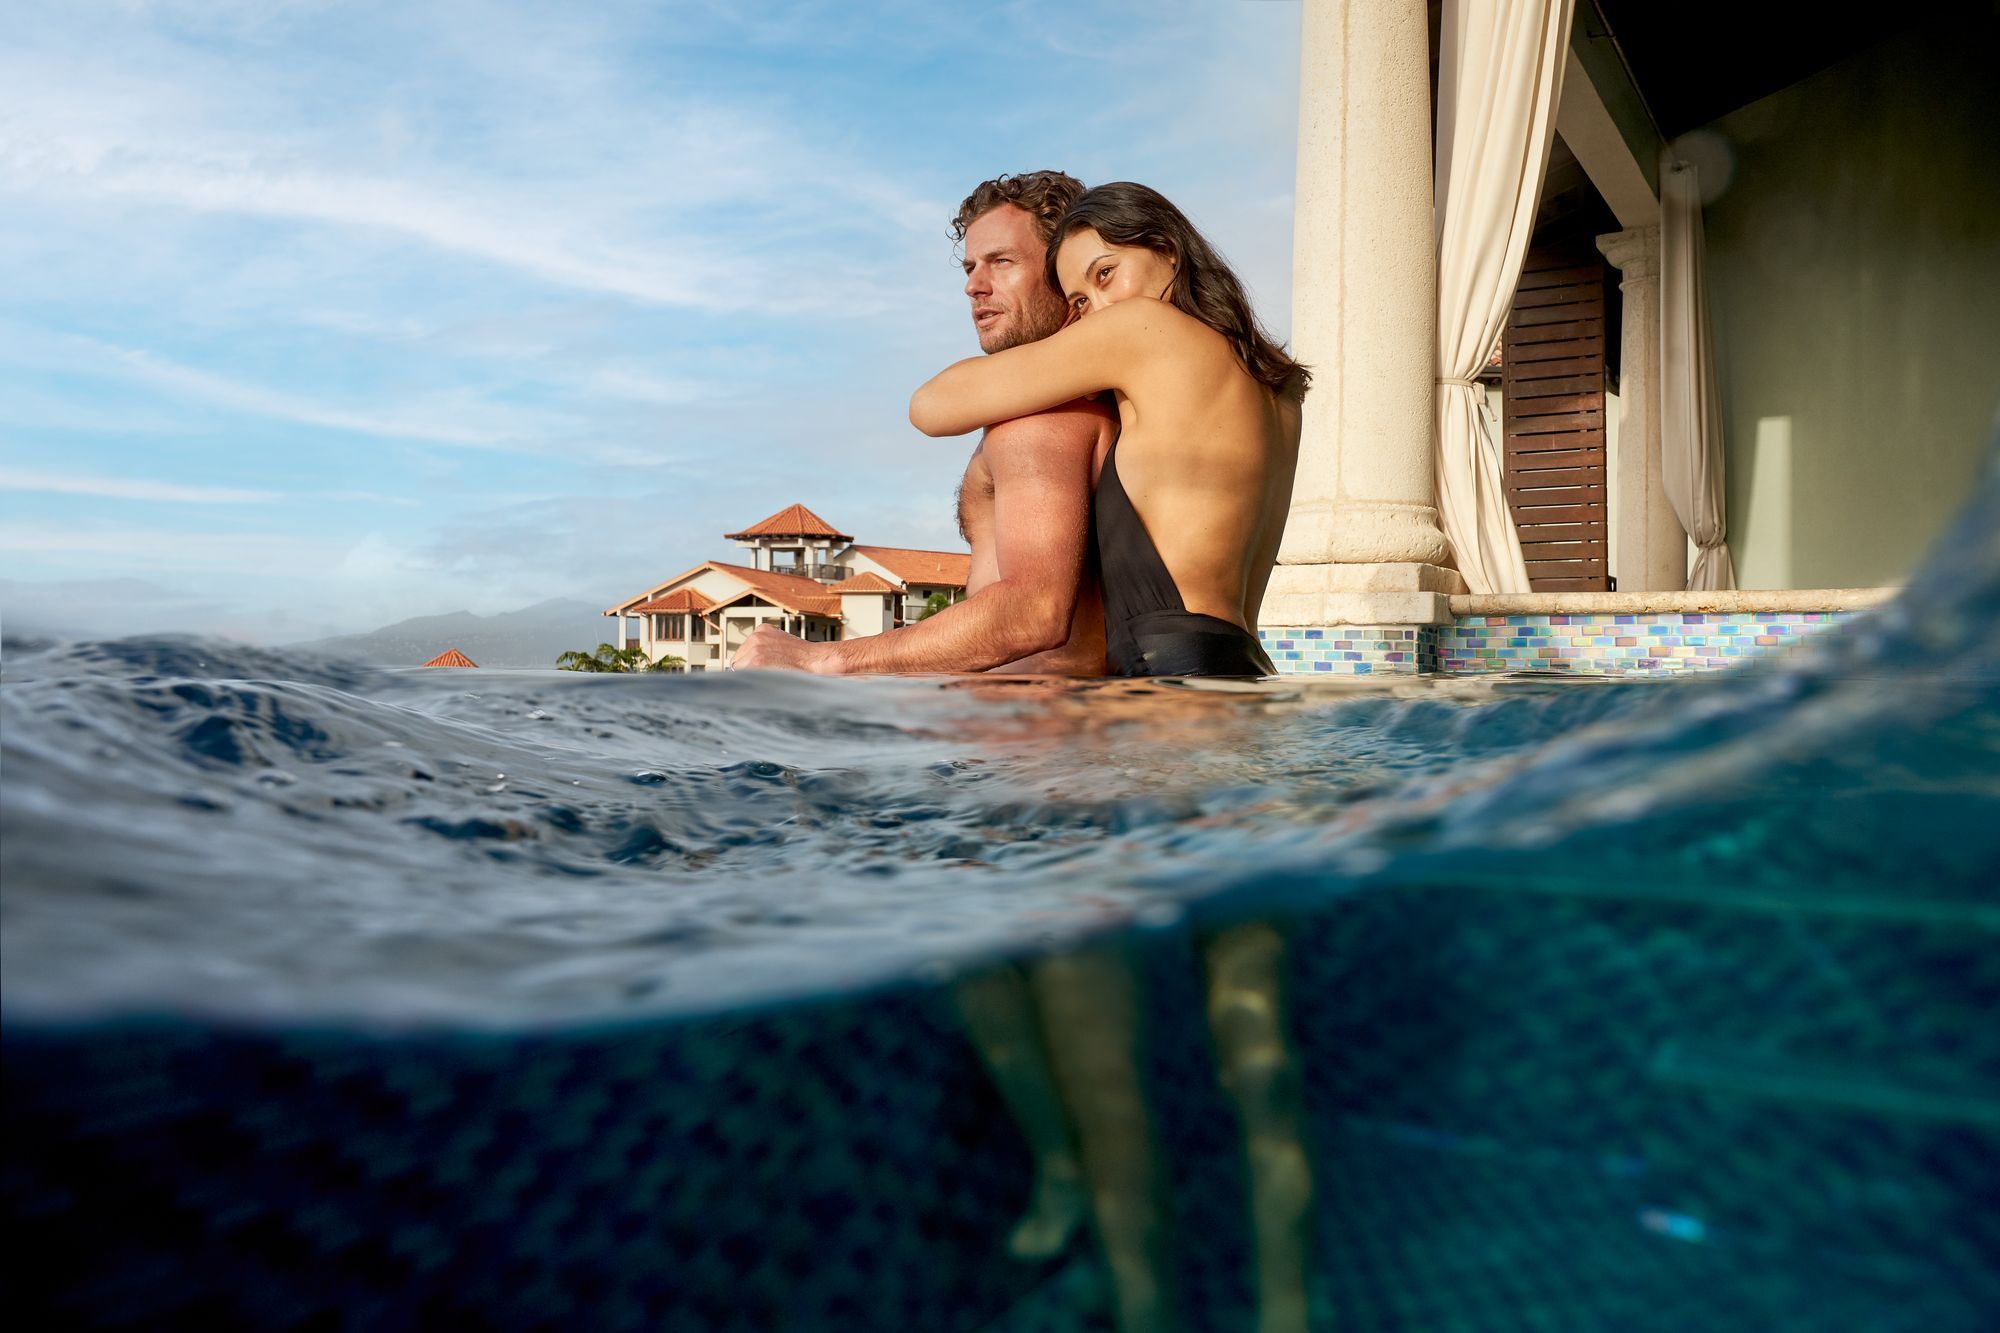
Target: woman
x=1191, y=501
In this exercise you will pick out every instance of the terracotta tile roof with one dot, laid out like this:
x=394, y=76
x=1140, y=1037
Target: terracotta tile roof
x=948, y=569
x=866, y=582
x=680, y=599
x=786, y=590
x=828, y=607
x=451, y=657
x=791, y=521
x=627, y=606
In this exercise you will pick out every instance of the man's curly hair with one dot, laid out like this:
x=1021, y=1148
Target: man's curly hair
x=1044, y=195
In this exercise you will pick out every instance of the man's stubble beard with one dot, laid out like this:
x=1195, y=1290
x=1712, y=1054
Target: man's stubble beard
x=1030, y=328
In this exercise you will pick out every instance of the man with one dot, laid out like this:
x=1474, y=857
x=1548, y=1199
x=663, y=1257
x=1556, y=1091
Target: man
x=1024, y=504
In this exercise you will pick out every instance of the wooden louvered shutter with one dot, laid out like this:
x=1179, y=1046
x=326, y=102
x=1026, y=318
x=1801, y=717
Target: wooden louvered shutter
x=1552, y=385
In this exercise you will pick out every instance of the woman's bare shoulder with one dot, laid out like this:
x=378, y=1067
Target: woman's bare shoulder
x=1150, y=313
x=1161, y=332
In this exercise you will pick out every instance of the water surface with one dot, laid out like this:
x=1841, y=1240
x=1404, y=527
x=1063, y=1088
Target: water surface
x=352, y=995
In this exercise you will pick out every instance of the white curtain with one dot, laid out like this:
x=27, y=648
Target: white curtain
x=1690, y=408
x=1499, y=80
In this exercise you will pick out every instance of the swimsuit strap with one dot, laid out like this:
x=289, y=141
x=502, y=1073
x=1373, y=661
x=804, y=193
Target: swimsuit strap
x=1136, y=580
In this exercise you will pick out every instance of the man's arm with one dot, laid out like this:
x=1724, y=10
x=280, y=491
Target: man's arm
x=1041, y=530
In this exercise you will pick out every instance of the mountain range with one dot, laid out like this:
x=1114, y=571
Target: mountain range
x=532, y=637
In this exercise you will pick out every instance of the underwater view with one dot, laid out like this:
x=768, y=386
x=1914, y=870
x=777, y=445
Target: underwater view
x=391, y=999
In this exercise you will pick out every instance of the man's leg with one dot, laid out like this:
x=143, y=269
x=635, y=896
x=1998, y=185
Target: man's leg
x=1000, y=1015
x=1089, y=1004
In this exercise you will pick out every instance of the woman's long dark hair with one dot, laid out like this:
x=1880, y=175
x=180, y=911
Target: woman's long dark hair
x=1126, y=213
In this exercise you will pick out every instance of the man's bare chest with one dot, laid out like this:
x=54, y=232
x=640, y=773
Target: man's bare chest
x=975, y=500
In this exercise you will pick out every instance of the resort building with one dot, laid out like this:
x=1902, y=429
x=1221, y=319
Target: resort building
x=1642, y=334
x=803, y=575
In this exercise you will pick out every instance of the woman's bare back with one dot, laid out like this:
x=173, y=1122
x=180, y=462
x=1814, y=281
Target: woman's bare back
x=1206, y=455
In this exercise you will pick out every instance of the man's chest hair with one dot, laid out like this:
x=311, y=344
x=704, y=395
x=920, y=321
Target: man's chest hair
x=974, y=499
x=977, y=483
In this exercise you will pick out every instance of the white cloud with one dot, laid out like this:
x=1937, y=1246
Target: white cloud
x=368, y=498
x=435, y=427
x=620, y=381
x=449, y=421
x=122, y=548
x=497, y=231
x=559, y=175
x=127, y=488
x=373, y=559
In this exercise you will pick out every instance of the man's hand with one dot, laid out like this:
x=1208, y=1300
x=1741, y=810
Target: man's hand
x=770, y=648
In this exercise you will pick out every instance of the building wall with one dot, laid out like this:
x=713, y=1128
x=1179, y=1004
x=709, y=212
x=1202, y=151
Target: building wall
x=703, y=652
x=1854, y=253
x=864, y=614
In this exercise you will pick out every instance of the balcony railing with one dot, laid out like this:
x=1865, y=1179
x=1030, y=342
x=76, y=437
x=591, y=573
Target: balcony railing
x=823, y=573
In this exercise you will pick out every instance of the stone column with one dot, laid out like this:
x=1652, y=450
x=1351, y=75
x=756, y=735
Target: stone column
x=1651, y=555
x=1363, y=543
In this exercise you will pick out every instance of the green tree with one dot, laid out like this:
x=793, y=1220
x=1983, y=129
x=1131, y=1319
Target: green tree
x=933, y=604
x=610, y=657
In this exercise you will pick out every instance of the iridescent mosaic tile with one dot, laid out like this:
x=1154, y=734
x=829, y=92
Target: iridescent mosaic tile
x=1351, y=650
x=1662, y=643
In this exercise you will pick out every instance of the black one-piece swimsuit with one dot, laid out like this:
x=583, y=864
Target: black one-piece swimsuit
x=1148, y=630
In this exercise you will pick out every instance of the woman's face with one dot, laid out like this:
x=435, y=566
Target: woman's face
x=1095, y=273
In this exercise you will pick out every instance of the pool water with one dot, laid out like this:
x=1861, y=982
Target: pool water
x=409, y=999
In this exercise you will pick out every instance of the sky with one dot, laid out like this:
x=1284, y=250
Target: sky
x=321, y=315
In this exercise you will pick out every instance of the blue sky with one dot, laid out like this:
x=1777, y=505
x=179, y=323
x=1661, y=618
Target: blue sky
x=319, y=315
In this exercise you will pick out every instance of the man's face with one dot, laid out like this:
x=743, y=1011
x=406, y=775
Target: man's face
x=1011, y=304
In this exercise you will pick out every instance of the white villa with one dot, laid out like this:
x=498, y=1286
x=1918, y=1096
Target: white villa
x=804, y=575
